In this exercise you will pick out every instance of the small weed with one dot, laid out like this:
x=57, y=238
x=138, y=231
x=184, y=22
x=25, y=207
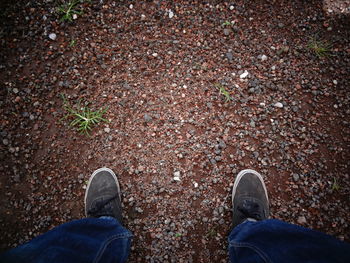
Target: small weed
x=211, y=233
x=68, y=9
x=178, y=235
x=227, y=23
x=83, y=117
x=224, y=92
x=335, y=186
x=72, y=43
x=321, y=48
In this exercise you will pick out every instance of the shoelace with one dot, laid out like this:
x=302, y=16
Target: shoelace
x=250, y=210
x=98, y=207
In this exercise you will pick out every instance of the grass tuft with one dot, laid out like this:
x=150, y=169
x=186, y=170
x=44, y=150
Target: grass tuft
x=321, y=48
x=68, y=9
x=224, y=92
x=84, y=119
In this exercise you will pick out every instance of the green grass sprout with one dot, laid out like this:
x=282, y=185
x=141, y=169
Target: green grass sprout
x=68, y=9
x=72, y=43
x=226, y=23
x=224, y=92
x=84, y=119
x=321, y=48
x=335, y=185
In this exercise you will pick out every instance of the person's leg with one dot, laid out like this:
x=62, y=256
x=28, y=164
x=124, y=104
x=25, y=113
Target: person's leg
x=100, y=238
x=255, y=238
x=276, y=241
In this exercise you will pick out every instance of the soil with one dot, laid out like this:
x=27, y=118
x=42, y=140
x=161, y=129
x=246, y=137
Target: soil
x=159, y=75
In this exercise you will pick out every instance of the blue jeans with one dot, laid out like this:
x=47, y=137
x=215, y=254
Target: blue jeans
x=105, y=240
x=276, y=241
x=86, y=240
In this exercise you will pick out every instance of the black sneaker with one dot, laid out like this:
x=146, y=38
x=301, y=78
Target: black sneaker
x=102, y=196
x=249, y=197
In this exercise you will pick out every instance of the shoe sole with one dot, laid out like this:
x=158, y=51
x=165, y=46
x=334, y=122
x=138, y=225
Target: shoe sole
x=92, y=177
x=239, y=177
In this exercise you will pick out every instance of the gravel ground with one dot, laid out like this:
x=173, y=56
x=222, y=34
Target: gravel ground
x=175, y=142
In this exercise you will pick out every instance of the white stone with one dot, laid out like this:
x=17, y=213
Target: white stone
x=301, y=220
x=278, y=105
x=75, y=16
x=263, y=57
x=131, y=6
x=177, y=176
x=155, y=55
x=335, y=82
x=171, y=14
x=232, y=7
x=177, y=179
x=107, y=130
x=53, y=36
x=195, y=184
x=244, y=75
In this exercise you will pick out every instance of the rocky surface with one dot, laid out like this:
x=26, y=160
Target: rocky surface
x=174, y=140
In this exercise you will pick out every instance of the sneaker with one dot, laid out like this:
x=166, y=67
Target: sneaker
x=249, y=198
x=102, y=196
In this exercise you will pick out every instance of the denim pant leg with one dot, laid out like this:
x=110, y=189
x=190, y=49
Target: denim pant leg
x=276, y=241
x=85, y=240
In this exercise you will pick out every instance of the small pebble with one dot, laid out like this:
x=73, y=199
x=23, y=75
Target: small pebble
x=53, y=36
x=301, y=220
x=244, y=75
x=278, y=105
x=177, y=176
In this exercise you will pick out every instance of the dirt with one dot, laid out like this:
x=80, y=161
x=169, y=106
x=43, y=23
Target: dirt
x=158, y=76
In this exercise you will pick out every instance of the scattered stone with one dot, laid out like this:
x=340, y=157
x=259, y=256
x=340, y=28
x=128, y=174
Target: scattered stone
x=5, y=141
x=301, y=220
x=295, y=177
x=177, y=176
x=263, y=57
x=278, y=105
x=227, y=31
x=147, y=117
x=229, y=56
x=171, y=14
x=244, y=75
x=52, y=36
x=218, y=158
x=222, y=145
x=107, y=130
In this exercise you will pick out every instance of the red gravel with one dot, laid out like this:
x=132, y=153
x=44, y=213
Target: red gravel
x=159, y=77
